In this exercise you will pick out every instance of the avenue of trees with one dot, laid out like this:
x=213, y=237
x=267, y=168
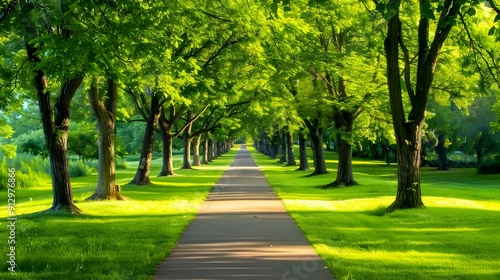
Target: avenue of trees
x=394, y=80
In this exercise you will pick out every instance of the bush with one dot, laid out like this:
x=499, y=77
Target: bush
x=454, y=161
x=121, y=164
x=25, y=177
x=78, y=169
x=489, y=168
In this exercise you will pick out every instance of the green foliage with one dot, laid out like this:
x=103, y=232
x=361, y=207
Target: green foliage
x=455, y=160
x=489, y=168
x=78, y=169
x=121, y=164
x=33, y=142
x=28, y=173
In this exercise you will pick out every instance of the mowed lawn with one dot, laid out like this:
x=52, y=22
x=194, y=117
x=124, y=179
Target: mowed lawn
x=456, y=237
x=113, y=240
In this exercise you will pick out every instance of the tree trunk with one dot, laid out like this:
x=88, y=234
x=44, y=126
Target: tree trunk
x=196, y=155
x=283, y=144
x=303, y=162
x=442, y=153
x=167, y=142
x=105, y=113
x=210, y=156
x=290, y=150
x=206, y=142
x=142, y=174
x=55, y=127
x=186, y=158
x=344, y=123
x=218, y=149
x=407, y=133
x=316, y=134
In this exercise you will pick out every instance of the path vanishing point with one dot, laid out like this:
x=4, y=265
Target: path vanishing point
x=243, y=231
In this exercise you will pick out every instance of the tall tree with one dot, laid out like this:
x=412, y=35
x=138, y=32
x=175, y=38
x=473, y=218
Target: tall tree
x=408, y=127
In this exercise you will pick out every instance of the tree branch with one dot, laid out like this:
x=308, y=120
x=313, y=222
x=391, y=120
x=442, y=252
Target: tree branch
x=7, y=10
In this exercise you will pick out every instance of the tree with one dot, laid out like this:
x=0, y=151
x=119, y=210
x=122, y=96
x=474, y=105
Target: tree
x=105, y=111
x=55, y=119
x=408, y=127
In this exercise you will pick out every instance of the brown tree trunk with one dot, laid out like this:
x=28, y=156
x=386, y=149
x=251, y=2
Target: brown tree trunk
x=440, y=149
x=316, y=134
x=290, y=150
x=196, y=154
x=283, y=144
x=55, y=127
x=186, y=158
x=407, y=133
x=303, y=162
x=344, y=123
x=206, y=142
x=142, y=174
x=167, y=147
x=210, y=156
x=105, y=113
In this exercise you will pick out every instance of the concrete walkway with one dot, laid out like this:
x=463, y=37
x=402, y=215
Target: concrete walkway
x=243, y=231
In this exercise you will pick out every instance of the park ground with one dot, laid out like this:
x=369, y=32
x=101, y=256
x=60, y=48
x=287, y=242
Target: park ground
x=454, y=238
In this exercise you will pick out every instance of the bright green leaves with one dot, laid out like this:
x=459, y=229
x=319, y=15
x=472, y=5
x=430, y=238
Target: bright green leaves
x=492, y=31
x=426, y=10
x=389, y=9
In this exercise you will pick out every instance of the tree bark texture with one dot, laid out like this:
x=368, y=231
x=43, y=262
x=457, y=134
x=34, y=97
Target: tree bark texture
x=142, y=174
x=206, y=142
x=344, y=123
x=55, y=127
x=290, y=149
x=186, y=137
x=303, y=162
x=105, y=113
x=408, y=131
x=316, y=135
x=196, y=154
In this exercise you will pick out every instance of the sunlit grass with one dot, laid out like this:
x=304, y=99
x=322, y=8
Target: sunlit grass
x=113, y=239
x=454, y=238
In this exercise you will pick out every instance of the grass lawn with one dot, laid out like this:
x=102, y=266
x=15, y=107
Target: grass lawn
x=113, y=240
x=456, y=237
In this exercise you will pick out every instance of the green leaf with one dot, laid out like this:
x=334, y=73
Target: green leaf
x=426, y=11
x=471, y=11
x=497, y=18
x=380, y=7
x=492, y=31
x=390, y=14
x=287, y=9
x=274, y=8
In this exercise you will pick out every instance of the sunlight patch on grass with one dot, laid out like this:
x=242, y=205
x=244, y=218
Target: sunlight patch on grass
x=350, y=205
x=432, y=201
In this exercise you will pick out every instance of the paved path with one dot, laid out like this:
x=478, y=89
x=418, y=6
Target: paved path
x=243, y=231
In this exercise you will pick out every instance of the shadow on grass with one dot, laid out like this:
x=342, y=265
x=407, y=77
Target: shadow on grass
x=433, y=243
x=93, y=246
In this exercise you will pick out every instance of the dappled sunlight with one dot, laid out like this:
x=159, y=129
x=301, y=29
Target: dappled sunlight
x=350, y=205
x=429, y=263
x=432, y=201
x=401, y=229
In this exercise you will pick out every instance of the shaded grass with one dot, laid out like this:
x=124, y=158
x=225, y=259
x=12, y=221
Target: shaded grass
x=114, y=239
x=454, y=238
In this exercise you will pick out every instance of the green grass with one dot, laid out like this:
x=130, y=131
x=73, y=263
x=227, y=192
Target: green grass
x=456, y=237
x=113, y=240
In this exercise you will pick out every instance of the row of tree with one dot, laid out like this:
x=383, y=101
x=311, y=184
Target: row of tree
x=354, y=53
x=184, y=69
x=203, y=70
